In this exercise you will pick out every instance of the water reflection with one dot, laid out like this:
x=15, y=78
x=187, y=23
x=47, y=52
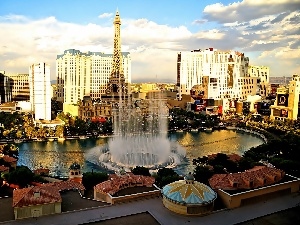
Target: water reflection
x=58, y=156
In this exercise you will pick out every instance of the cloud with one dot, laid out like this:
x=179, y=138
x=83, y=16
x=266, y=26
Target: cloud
x=199, y=21
x=42, y=40
x=13, y=18
x=271, y=39
x=105, y=15
x=247, y=10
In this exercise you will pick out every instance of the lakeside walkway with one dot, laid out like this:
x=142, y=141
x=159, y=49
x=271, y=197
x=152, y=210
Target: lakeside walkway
x=164, y=216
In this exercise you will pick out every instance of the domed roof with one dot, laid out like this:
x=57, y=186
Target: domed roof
x=189, y=192
x=75, y=166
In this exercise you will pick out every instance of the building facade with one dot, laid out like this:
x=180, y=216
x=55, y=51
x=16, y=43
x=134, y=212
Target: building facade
x=263, y=81
x=80, y=74
x=287, y=104
x=5, y=90
x=40, y=90
x=94, y=111
x=19, y=84
x=222, y=74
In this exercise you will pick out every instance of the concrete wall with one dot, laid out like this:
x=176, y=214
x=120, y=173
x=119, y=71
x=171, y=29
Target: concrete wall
x=126, y=198
x=37, y=210
x=100, y=196
x=180, y=209
x=234, y=201
x=188, y=209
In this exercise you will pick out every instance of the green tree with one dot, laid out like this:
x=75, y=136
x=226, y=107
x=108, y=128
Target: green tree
x=10, y=150
x=80, y=126
x=140, y=170
x=203, y=173
x=59, y=131
x=22, y=176
x=90, y=179
x=166, y=176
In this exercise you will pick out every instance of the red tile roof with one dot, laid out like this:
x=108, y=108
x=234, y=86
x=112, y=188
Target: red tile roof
x=26, y=196
x=118, y=182
x=256, y=177
x=49, y=193
x=9, y=159
x=66, y=185
x=4, y=168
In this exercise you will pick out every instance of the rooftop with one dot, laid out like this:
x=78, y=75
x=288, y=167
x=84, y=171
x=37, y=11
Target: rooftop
x=258, y=176
x=36, y=195
x=118, y=182
x=4, y=168
x=189, y=193
x=46, y=193
x=78, y=52
x=9, y=159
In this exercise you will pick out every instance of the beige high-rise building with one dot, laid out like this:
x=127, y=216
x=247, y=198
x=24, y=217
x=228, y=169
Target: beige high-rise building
x=287, y=101
x=263, y=81
x=19, y=86
x=80, y=74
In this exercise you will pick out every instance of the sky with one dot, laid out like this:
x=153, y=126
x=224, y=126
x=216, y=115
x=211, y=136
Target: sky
x=153, y=31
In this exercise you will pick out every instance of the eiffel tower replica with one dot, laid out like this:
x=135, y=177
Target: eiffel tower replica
x=117, y=89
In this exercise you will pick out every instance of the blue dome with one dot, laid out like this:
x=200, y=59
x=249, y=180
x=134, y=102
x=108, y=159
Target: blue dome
x=189, y=193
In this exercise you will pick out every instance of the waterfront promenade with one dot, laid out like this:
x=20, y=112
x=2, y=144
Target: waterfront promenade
x=164, y=216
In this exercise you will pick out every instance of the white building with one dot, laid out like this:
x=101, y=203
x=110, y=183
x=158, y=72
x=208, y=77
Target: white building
x=40, y=90
x=80, y=74
x=263, y=81
x=221, y=74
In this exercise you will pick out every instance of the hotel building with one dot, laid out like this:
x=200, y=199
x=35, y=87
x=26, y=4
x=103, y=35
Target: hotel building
x=80, y=74
x=40, y=90
x=221, y=74
x=19, y=87
x=287, y=104
x=263, y=81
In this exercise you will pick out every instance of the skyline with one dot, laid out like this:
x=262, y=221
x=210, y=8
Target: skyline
x=268, y=32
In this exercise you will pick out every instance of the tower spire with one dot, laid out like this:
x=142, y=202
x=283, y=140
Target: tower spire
x=117, y=67
x=116, y=83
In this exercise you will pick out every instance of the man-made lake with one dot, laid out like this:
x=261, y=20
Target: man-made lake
x=58, y=156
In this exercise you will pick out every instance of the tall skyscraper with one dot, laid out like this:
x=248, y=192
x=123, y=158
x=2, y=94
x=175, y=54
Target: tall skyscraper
x=40, y=90
x=221, y=74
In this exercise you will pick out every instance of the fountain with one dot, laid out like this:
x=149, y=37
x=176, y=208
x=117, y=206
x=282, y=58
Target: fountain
x=140, y=137
x=140, y=128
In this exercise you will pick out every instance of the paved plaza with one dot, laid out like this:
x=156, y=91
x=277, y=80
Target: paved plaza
x=163, y=216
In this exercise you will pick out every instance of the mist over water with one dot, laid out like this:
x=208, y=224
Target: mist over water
x=140, y=137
